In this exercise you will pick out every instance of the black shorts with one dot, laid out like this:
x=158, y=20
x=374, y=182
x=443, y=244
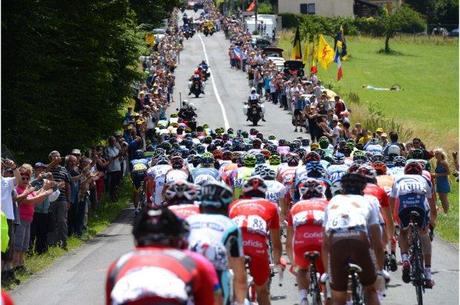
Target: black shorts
x=138, y=177
x=352, y=247
x=404, y=217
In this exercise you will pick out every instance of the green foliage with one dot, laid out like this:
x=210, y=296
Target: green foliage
x=153, y=11
x=265, y=8
x=67, y=67
x=404, y=19
x=289, y=20
x=437, y=12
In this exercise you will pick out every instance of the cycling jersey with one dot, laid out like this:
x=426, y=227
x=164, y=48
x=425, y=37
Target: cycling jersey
x=185, y=210
x=377, y=192
x=216, y=237
x=385, y=182
x=154, y=275
x=255, y=217
x=306, y=219
x=275, y=191
x=175, y=175
x=336, y=171
x=350, y=211
x=201, y=174
x=157, y=173
x=374, y=148
x=413, y=192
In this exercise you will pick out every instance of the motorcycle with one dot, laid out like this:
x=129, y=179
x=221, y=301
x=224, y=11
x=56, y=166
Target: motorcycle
x=205, y=73
x=196, y=88
x=254, y=112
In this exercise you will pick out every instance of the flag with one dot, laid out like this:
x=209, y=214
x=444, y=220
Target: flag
x=325, y=54
x=251, y=6
x=339, y=64
x=340, y=44
x=296, y=46
x=150, y=39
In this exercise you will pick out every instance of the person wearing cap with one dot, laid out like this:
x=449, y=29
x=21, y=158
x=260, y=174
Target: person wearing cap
x=339, y=106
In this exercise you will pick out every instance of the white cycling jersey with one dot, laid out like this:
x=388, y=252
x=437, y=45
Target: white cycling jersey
x=275, y=191
x=350, y=211
x=158, y=173
x=412, y=190
x=175, y=174
x=336, y=171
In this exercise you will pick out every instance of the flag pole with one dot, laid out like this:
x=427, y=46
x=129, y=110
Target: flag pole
x=256, y=26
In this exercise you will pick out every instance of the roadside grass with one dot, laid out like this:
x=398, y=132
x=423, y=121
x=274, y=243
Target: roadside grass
x=98, y=221
x=427, y=107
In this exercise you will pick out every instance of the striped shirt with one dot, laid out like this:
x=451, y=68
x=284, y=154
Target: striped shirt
x=60, y=173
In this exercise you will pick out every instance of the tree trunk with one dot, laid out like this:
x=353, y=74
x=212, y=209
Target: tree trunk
x=387, y=43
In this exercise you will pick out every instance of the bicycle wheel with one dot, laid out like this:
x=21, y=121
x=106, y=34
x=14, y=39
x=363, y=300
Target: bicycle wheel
x=419, y=292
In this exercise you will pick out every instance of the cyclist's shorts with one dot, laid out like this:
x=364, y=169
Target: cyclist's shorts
x=352, y=247
x=138, y=177
x=307, y=238
x=422, y=221
x=255, y=247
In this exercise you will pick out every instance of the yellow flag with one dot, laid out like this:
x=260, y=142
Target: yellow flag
x=150, y=39
x=325, y=53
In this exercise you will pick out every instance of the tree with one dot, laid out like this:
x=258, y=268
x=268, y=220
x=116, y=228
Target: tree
x=153, y=11
x=67, y=67
x=404, y=19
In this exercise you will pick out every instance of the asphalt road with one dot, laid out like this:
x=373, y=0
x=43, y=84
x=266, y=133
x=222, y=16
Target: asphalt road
x=78, y=277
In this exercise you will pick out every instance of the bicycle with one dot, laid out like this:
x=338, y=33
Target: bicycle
x=416, y=258
x=252, y=294
x=355, y=289
x=314, y=290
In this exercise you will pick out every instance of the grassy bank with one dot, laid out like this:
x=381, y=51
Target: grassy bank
x=426, y=107
x=106, y=213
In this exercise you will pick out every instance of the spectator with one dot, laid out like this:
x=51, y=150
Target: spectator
x=59, y=208
x=113, y=168
x=441, y=176
x=71, y=164
x=27, y=199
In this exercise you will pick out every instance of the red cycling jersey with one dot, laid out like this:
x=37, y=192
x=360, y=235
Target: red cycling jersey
x=152, y=275
x=379, y=193
x=256, y=217
x=306, y=218
x=185, y=210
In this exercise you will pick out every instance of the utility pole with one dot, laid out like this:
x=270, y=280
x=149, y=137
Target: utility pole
x=256, y=26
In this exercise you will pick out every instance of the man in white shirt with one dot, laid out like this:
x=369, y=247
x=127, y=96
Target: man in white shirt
x=114, y=168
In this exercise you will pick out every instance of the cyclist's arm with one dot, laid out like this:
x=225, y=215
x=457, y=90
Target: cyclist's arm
x=376, y=242
x=237, y=264
x=325, y=251
x=276, y=244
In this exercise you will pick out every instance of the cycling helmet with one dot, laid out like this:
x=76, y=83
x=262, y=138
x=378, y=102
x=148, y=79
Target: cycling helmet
x=309, y=188
x=399, y=161
x=215, y=195
x=368, y=172
x=354, y=167
x=282, y=142
x=268, y=174
x=259, y=169
x=336, y=188
x=311, y=157
x=160, y=227
x=416, y=154
x=166, y=146
x=274, y=160
x=314, y=146
x=200, y=149
x=138, y=154
x=249, y=160
x=159, y=151
x=377, y=157
x=301, y=152
x=271, y=137
x=271, y=148
x=339, y=158
x=227, y=155
x=255, y=187
x=353, y=183
x=359, y=156
x=380, y=168
x=413, y=168
x=323, y=142
x=294, y=145
x=161, y=160
x=321, y=152
x=266, y=153
x=292, y=159
x=196, y=160
x=184, y=152
x=315, y=169
x=217, y=153
x=180, y=192
x=177, y=162
x=207, y=159
x=260, y=158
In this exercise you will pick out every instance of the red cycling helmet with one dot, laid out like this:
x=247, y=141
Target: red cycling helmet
x=413, y=168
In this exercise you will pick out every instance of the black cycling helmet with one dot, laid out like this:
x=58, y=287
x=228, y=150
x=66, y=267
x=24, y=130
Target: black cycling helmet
x=310, y=188
x=353, y=183
x=215, y=195
x=138, y=154
x=180, y=192
x=160, y=227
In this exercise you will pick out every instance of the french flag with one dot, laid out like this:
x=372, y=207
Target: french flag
x=237, y=52
x=339, y=64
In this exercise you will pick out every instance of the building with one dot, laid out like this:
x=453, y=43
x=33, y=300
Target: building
x=335, y=8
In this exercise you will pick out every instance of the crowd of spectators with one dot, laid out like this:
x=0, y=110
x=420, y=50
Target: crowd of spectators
x=47, y=202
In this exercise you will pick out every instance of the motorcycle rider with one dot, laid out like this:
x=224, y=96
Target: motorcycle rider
x=187, y=111
x=254, y=99
x=196, y=78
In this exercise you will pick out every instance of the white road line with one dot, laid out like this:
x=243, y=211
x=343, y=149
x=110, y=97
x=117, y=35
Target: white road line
x=222, y=108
